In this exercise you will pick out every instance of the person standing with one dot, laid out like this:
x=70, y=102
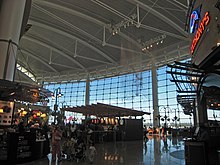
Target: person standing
x=56, y=143
x=45, y=129
x=91, y=153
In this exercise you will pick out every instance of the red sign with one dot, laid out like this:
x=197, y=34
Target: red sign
x=205, y=21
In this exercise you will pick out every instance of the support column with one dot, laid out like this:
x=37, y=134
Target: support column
x=156, y=119
x=87, y=92
x=11, y=16
x=201, y=113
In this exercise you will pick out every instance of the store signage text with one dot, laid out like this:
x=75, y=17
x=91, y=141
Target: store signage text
x=205, y=21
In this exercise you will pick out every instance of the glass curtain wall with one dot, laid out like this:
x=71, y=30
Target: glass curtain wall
x=73, y=94
x=171, y=112
x=131, y=91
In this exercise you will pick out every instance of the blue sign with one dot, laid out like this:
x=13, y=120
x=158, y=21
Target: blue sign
x=194, y=21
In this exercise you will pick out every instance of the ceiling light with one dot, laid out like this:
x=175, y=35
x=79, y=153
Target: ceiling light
x=115, y=28
x=156, y=41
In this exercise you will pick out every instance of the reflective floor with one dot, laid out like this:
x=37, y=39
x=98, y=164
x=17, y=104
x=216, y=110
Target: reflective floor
x=156, y=151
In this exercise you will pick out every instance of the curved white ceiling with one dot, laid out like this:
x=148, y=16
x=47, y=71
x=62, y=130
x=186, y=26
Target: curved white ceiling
x=72, y=39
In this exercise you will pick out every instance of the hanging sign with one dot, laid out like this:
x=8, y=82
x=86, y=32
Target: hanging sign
x=203, y=24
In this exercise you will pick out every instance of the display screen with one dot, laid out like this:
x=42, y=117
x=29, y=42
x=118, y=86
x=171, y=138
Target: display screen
x=213, y=115
x=6, y=111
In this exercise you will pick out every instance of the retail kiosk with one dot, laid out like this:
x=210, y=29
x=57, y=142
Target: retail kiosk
x=118, y=123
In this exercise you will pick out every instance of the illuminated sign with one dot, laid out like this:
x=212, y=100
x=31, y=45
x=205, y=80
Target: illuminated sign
x=205, y=21
x=194, y=20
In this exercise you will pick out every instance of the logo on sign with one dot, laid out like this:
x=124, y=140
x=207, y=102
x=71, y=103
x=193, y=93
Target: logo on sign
x=194, y=20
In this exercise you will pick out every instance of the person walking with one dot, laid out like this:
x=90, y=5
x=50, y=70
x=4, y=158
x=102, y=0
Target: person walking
x=56, y=143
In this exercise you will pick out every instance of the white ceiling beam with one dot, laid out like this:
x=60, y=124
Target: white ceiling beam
x=36, y=57
x=181, y=4
x=141, y=25
x=68, y=35
x=160, y=16
x=182, y=8
x=62, y=65
x=79, y=30
x=75, y=55
x=91, y=19
x=68, y=10
x=55, y=49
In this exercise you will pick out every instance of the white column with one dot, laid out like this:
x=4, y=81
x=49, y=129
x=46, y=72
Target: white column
x=11, y=16
x=156, y=121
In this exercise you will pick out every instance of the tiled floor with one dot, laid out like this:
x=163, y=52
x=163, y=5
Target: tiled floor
x=156, y=151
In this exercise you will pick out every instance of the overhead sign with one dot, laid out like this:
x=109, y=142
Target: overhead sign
x=206, y=34
x=205, y=21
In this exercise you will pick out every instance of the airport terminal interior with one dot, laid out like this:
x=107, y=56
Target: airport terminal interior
x=110, y=82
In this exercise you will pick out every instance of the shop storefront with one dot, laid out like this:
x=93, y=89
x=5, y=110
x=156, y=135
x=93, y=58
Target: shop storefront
x=23, y=136
x=202, y=78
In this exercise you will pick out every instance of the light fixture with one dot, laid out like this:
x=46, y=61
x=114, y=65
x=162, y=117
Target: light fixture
x=60, y=94
x=154, y=41
x=126, y=22
x=143, y=49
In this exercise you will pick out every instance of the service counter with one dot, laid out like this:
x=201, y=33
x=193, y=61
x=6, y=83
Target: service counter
x=18, y=148
x=130, y=129
x=104, y=136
